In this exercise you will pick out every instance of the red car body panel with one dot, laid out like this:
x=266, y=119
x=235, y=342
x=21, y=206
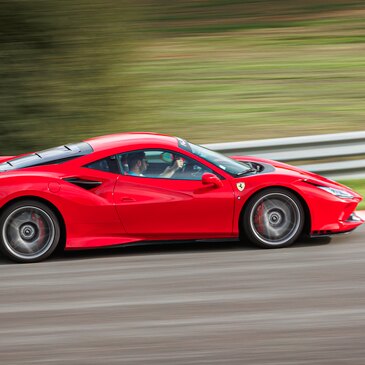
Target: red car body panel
x=328, y=212
x=124, y=209
x=166, y=208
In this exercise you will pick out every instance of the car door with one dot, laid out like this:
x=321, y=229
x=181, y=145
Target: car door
x=175, y=207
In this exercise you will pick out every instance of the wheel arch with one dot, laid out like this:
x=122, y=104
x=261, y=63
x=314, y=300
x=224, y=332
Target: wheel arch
x=307, y=215
x=55, y=210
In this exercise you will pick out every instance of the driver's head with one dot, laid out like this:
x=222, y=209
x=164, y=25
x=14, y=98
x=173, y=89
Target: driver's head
x=137, y=162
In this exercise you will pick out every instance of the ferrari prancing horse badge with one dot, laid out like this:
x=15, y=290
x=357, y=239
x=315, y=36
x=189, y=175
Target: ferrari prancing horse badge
x=241, y=186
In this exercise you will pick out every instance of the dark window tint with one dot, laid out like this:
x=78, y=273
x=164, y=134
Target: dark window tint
x=51, y=156
x=108, y=164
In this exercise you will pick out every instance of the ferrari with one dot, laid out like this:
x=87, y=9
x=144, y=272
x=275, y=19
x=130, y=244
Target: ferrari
x=140, y=187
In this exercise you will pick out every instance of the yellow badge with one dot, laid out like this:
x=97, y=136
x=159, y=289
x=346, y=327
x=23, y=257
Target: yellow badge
x=241, y=186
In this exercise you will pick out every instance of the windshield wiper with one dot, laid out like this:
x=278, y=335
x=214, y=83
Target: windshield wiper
x=248, y=171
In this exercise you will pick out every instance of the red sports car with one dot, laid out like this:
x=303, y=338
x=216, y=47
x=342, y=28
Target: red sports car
x=135, y=187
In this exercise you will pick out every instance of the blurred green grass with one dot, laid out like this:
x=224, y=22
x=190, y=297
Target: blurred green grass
x=255, y=83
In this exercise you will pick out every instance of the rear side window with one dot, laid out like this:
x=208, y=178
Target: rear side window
x=108, y=164
x=54, y=155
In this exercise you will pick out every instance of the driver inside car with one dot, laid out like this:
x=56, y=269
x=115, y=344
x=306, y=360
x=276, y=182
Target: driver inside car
x=138, y=164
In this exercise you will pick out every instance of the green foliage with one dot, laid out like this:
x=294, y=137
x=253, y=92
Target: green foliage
x=207, y=16
x=61, y=69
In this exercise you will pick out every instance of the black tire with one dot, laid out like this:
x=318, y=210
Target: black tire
x=29, y=231
x=273, y=218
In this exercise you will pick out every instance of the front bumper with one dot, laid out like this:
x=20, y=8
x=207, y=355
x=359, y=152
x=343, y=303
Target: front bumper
x=342, y=226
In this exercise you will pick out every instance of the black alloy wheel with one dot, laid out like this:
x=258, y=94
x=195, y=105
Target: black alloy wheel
x=29, y=231
x=273, y=218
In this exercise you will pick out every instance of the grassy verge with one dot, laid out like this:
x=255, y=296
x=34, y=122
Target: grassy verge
x=253, y=83
x=359, y=187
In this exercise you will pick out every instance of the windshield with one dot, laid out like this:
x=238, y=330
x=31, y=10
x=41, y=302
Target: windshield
x=225, y=163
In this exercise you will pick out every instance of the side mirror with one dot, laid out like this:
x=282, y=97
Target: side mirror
x=211, y=179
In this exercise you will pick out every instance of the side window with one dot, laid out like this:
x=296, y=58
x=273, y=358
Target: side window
x=108, y=164
x=161, y=164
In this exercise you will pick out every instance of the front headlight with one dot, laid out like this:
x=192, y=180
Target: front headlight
x=337, y=192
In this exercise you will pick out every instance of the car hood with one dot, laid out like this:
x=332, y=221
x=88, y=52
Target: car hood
x=307, y=176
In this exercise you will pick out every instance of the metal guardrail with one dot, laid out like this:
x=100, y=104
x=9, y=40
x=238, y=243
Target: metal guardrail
x=306, y=152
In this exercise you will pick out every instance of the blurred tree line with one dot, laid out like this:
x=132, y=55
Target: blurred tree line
x=61, y=70
x=207, y=16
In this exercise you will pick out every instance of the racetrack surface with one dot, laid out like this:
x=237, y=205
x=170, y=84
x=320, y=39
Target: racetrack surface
x=200, y=303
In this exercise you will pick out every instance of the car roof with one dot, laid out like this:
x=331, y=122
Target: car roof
x=111, y=141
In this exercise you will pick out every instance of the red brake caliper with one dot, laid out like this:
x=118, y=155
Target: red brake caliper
x=40, y=224
x=259, y=218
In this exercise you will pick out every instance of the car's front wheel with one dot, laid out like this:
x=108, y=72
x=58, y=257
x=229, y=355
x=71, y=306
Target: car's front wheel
x=30, y=231
x=273, y=218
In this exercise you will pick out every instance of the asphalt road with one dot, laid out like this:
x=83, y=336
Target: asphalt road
x=219, y=303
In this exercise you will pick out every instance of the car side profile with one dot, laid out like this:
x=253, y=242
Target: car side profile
x=141, y=187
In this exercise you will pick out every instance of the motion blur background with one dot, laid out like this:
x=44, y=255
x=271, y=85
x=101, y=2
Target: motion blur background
x=207, y=70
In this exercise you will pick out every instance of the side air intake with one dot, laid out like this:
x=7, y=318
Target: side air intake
x=82, y=183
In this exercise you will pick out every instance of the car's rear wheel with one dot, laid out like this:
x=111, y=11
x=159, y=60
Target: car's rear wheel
x=273, y=218
x=30, y=231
